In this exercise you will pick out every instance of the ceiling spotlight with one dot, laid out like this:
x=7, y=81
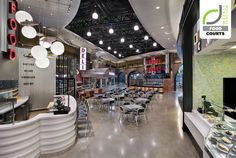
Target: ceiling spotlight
x=154, y=44
x=130, y=46
x=100, y=42
x=136, y=28
x=146, y=37
x=137, y=50
x=119, y=55
x=111, y=31
x=157, y=7
x=95, y=15
x=122, y=40
x=162, y=27
x=109, y=48
x=168, y=38
x=89, y=34
x=115, y=52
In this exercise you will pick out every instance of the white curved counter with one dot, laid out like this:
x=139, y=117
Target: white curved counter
x=44, y=134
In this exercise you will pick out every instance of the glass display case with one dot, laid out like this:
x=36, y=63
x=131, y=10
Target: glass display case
x=221, y=140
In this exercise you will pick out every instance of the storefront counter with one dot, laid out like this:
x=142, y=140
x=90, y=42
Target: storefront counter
x=43, y=134
x=147, y=88
x=8, y=107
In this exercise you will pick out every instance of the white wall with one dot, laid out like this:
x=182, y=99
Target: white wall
x=43, y=84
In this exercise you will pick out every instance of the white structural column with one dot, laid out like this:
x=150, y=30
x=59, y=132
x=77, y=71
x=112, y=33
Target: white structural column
x=44, y=134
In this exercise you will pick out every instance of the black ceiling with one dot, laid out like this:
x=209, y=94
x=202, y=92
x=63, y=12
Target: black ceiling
x=119, y=15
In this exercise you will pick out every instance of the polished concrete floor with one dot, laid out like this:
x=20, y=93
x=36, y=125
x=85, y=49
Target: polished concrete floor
x=160, y=137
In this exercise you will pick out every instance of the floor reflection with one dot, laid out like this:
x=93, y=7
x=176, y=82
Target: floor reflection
x=160, y=137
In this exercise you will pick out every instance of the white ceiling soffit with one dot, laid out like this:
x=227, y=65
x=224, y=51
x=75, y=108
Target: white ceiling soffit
x=107, y=56
x=51, y=13
x=76, y=41
x=141, y=56
x=160, y=18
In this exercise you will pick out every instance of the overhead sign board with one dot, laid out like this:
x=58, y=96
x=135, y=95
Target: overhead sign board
x=215, y=19
x=83, y=56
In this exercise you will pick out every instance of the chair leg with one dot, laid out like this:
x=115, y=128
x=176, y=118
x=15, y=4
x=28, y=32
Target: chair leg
x=136, y=120
x=146, y=118
x=120, y=117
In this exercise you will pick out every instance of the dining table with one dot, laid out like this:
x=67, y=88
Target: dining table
x=132, y=107
x=141, y=100
x=107, y=100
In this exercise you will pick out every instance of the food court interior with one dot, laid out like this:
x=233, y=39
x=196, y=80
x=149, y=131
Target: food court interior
x=114, y=78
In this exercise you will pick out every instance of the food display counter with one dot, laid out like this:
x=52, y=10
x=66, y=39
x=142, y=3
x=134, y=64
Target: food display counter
x=98, y=91
x=147, y=88
x=211, y=135
x=221, y=140
x=88, y=93
x=43, y=134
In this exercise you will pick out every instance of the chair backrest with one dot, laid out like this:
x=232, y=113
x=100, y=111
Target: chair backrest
x=126, y=103
x=140, y=111
x=144, y=106
x=121, y=109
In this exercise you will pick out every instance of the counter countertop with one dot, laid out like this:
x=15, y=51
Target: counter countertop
x=8, y=107
x=43, y=134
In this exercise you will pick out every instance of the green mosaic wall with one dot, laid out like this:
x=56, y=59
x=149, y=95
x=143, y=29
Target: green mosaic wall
x=208, y=74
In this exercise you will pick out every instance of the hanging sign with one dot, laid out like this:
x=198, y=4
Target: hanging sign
x=12, y=26
x=215, y=19
x=83, y=55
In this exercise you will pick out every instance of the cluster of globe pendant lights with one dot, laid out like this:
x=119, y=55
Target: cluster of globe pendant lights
x=39, y=52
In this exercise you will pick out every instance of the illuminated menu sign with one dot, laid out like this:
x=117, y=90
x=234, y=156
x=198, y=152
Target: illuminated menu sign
x=83, y=55
x=12, y=26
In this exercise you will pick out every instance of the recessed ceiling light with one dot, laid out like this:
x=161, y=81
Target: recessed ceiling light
x=130, y=46
x=157, y=7
x=137, y=50
x=162, y=27
x=89, y=34
x=233, y=47
x=109, y=48
x=111, y=31
x=122, y=40
x=146, y=37
x=95, y=15
x=100, y=42
x=115, y=52
x=168, y=38
x=119, y=55
x=154, y=44
x=136, y=28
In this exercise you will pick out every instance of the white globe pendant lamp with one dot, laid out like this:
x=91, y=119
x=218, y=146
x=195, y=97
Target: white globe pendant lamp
x=57, y=48
x=29, y=32
x=22, y=16
x=44, y=42
x=39, y=52
x=42, y=63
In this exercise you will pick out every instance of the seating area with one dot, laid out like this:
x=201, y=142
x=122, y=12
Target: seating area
x=133, y=105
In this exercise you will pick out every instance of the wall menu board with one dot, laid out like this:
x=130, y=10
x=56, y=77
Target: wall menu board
x=155, y=64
